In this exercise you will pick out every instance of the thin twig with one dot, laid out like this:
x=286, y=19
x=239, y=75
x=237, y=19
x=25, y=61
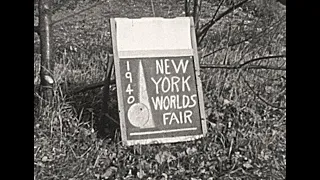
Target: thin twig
x=76, y=13
x=258, y=96
x=247, y=62
x=59, y=6
x=260, y=58
x=219, y=66
x=152, y=6
x=254, y=73
x=213, y=17
x=92, y=86
x=219, y=6
x=206, y=28
x=86, y=152
x=111, y=118
x=263, y=32
x=74, y=153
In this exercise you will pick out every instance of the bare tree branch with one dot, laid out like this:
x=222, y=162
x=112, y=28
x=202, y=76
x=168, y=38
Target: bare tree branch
x=213, y=17
x=205, y=25
x=100, y=84
x=267, y=67
x=260, y=58
x=259, y=97
x=202, y=33
x=219, y=66
x=76, y=13
x=111, y=118
x=263, y=32
x=245, y=63
x=57, y=7
x=91, y=86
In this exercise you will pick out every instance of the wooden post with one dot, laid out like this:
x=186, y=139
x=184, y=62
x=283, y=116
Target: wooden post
x=196, y=13
x=105, y=125
x=46, y=80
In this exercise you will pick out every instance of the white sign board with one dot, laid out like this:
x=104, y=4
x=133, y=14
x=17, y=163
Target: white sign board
x=157, y=74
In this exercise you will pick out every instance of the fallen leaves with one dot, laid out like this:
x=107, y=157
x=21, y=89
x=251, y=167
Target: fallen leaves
x=164, y=156
x=47, y=159
x=110, y=171
x=191, y=151
x=247, y=164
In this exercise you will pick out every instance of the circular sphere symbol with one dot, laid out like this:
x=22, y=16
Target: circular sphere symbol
x=138, y=115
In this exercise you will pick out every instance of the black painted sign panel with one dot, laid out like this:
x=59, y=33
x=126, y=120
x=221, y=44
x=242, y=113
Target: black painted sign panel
x=160, y=97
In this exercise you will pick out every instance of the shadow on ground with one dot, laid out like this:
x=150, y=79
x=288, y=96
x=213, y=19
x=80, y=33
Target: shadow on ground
x=89, y=106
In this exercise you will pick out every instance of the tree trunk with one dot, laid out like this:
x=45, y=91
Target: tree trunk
x=196, y=14
x=46, y=80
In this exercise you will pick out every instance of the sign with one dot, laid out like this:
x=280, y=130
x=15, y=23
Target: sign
x=157, y=74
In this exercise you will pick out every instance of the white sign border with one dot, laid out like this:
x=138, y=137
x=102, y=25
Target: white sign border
x=123, y=127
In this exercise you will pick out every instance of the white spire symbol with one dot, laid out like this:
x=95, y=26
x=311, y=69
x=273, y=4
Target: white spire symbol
x=139, y=114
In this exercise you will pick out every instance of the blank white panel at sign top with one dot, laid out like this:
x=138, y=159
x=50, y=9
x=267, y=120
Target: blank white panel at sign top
x=153, y=34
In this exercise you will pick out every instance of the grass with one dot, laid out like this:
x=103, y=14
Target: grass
x=246, y=138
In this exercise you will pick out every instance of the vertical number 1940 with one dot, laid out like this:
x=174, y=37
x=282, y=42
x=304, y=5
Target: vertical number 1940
x=129, y=90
